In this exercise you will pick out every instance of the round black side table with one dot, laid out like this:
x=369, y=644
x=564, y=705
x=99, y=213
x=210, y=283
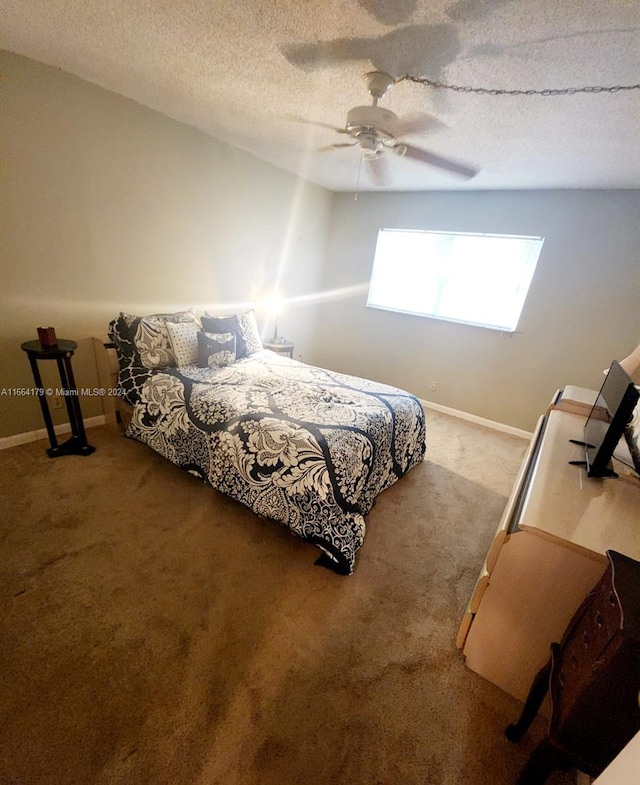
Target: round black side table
x=62, y=354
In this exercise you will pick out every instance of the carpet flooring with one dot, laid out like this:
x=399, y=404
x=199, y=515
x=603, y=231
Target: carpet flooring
x=154, y=632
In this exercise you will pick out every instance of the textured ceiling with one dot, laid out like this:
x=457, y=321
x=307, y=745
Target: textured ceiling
x=242, y=70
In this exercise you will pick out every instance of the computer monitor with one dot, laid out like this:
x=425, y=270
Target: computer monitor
x=607, y=421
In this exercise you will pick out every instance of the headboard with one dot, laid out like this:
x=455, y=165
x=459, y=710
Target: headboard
x=117, y=412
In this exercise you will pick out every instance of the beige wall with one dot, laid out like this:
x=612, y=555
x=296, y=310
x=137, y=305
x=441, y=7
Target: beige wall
x=108, y=206
x=583, y=308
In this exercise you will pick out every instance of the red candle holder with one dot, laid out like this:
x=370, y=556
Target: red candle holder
x=47, y=337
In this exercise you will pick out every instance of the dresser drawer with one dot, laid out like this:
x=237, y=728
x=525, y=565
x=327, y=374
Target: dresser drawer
x=577, y=665
x=601, y=623
x=596, y=622
x=609, y=610
x=589, y=645
x=599, y=720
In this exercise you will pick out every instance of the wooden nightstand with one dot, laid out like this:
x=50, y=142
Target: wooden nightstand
x=280, y=346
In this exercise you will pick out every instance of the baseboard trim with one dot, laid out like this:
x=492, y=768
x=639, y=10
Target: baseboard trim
x=33, y=436
x=497, y=426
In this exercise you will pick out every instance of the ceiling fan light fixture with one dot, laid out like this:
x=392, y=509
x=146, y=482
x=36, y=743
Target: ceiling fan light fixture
x=383, y=121
x=369, y=143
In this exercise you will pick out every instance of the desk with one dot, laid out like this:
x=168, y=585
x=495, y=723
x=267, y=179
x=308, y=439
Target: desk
x=547, y=555
x=62, y=354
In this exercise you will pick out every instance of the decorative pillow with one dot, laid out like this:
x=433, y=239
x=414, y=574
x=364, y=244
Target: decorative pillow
x=215, y=349
x=184, y=342
x=131, y=375
x=249, y=333
x=242, y=325
x=133, y=370
x=223, y=324
x=151, y=337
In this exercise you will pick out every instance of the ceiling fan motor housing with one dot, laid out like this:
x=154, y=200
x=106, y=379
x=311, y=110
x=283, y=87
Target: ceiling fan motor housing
x=382, y=122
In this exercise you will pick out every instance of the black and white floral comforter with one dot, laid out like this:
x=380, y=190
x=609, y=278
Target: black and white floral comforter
x=301, y=445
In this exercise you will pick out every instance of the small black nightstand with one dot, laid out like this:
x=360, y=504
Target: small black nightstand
x=62, y=353
x=280, y=346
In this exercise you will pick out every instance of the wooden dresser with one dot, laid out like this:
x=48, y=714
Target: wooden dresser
x=549, y=551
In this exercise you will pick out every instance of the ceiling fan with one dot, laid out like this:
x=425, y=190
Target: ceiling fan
x=376, y=131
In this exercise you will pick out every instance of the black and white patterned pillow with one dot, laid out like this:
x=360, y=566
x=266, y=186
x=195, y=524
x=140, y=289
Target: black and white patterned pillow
x=133, y=371
x=242, y=325
x=151, y=337
x=248, y=329
x=216, y=349
x=131, y=375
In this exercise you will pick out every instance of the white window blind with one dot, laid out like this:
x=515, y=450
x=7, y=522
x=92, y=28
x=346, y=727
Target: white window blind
x=479, y=279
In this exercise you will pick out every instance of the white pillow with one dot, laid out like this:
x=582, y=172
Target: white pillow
x=184, y=342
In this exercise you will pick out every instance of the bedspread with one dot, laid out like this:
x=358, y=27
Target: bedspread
x=305, y=446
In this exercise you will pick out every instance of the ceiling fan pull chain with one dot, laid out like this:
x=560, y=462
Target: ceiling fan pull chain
x=355, y=196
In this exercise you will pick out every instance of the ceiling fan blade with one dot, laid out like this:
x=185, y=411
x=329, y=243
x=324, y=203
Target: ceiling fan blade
x=329, y=147
x=425, y=157
x=317, y=123
x=378, y=169
x=418, y=123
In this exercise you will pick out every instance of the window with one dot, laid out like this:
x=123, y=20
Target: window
x=479, y=279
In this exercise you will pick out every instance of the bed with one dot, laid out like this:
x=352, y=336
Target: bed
x=305, y=446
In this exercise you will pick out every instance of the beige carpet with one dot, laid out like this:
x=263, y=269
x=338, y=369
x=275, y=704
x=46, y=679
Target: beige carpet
x=153, y=631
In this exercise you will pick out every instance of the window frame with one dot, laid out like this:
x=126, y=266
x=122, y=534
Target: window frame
x=456, y=320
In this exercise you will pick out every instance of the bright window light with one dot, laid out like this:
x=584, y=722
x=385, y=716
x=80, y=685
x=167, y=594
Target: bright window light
x=479, y=279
